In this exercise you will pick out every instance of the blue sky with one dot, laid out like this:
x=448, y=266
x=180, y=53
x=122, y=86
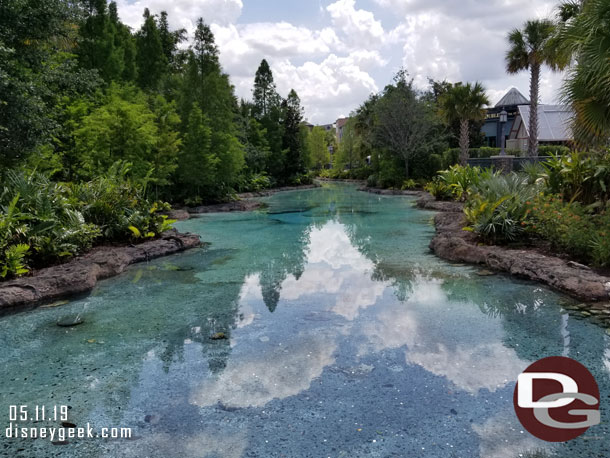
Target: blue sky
x=335, y=53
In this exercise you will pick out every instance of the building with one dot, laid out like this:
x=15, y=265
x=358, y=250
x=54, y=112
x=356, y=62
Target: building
x=553, y=123
x=341, y=122
x=492, y=127
x=553, y=127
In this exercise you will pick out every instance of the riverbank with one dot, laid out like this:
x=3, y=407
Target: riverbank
x=454, y=244
x=245, y=201
x=82, y=273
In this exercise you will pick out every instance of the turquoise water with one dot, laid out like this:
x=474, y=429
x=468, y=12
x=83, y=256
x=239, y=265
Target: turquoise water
x=346, y=338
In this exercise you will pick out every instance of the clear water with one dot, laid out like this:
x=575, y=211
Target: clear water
x=346, y=338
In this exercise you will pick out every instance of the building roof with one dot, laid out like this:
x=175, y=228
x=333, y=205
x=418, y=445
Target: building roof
x=512, y=98
x=341, y=122
x=553, y=122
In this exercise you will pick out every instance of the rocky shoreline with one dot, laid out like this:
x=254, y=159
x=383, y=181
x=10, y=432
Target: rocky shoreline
x=245, y=203
x=81, y=274
x=392, y=192
x=454, y=244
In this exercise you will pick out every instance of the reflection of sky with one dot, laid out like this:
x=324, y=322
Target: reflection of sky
x=337, y=279
x=414, y=361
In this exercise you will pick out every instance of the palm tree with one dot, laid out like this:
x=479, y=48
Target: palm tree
x=529, y=50
x=584, y=39
x=464, y=103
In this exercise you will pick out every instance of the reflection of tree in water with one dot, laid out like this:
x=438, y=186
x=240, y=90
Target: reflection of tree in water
x=289, y=260
x=287, y=252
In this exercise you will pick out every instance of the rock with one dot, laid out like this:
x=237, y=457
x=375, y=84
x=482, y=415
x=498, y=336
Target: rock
x=391, y=192
x=178, y=214
x=485, y=273
x=69, y=321
x=454, y=244
x=218, y=336
x=577, y=265
x=584, y=313
x=81, y=274
x=453, y=411
x=67, y=424
x=152, y=419
x=237, y=206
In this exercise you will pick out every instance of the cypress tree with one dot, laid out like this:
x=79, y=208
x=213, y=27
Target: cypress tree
x=152, y=63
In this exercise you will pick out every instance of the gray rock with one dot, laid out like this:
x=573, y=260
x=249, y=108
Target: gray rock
x=454, y=244
x=69, y=321
x=81, y=274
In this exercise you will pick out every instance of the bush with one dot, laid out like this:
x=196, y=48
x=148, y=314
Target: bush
x=371, y=181
x=553, y=150
x=571, y=227
x=43, y=222
x=498, y=205
x=38, y=223
x=409, y=184
x=118, y=207
x=579, y=177
x=459, y=179
x=439, y=189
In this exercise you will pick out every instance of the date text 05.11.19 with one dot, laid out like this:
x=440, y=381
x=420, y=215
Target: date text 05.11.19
x=38, y=413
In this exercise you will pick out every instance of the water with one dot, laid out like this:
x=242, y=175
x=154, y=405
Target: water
x=346, y=338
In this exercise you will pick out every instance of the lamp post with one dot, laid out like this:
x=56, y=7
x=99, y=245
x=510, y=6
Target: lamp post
x=503, y=119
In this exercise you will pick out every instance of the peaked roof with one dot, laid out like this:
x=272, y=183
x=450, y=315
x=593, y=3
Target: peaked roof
x=553, y=122
x=511, y=98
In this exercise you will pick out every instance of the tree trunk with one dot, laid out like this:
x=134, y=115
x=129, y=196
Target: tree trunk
x=532, y=150
x=464, y=141
x=407, y=168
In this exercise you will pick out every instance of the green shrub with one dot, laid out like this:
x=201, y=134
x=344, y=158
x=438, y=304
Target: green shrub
x=409, y=184
x=553, y=150
x=439, y=189
x=498, y=205
x=570, y=227
x=371, y=181
x=43, y=222
x=115, y=204
x=579, y=177
x=460, y=179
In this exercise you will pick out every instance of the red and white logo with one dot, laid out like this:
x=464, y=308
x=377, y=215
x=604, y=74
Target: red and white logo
x=557, y=399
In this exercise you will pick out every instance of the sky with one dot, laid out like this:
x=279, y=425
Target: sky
x=335, y=53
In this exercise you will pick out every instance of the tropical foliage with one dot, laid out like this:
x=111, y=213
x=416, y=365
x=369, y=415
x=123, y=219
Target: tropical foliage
x=43, y=222
x=583, y=44
x=464, y=103
x=529, y=49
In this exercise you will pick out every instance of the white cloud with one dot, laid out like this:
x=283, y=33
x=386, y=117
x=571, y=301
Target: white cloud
x=465, y=43
x=181, y=13
x=360, y=27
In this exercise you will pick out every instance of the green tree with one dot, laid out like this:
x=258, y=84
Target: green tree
x=254, y=139
x=318, y=148
x=125, y=128
x=204, y=83
x=530, y=49
x=464, y=103
x=170, y=39
x=98, y=47
x=583, y=42
x=152, y=63
x=265, y=94
x=405, y=122
x=268, y=111
x=294, y=160
x=197, y=163
x=347, y=154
